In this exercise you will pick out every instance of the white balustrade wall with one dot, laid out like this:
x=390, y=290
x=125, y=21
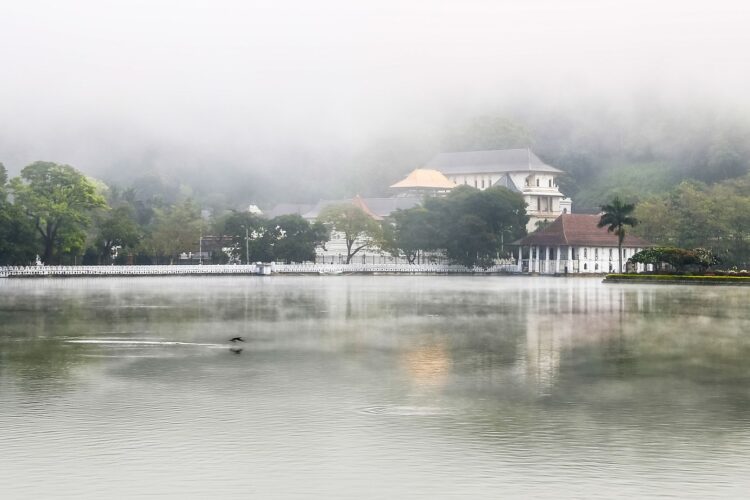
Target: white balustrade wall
x=255, y=269
x=69, y=271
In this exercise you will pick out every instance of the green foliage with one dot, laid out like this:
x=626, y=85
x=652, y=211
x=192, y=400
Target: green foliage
x=58, y=200
x=296, y=239
x=176, y=229
x=18, y=242
x=251, y=241
x=469, y=225
x=616, y=215
x=410, y=231
x=358, y=228
x=679, y=278
x=678, y=258
x=117, y=228
x=287, y=238
x=625, y=180
x=487, y=132
x=697, y=215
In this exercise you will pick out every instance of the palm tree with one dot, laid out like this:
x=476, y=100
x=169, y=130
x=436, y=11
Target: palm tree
x=616, y=216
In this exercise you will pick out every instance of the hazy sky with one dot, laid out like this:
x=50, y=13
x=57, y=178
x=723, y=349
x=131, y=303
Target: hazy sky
x=97, y=83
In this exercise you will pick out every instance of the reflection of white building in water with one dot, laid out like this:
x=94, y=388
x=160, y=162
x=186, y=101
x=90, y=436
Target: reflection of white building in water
x=519, y=170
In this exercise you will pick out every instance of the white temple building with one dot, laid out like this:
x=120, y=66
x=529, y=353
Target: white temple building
x=519, y=170
x=574, y=243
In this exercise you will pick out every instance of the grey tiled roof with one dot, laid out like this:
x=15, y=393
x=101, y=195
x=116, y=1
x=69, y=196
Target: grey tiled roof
x=385, y=206
x=506, y=182
x=381, y=207
x=287, y=209
x=484, y=162
x=579, y=230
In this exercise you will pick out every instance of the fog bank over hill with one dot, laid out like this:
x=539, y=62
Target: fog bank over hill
x=295, y=100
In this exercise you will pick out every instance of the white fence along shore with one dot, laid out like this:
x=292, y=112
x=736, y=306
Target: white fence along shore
x=253, y=269
x=92, y=271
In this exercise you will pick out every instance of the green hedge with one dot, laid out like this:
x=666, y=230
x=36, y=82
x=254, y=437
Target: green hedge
x=677, y=277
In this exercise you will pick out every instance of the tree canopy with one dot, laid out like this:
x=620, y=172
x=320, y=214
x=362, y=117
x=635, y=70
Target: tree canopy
x=358, y=228
x=58, y=200
x=470, y=226
x=616, y=215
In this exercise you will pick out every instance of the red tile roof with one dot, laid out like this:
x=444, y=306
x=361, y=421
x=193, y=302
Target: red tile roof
x=579, y=230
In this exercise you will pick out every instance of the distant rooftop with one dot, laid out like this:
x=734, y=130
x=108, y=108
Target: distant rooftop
x=423, y=178
x=492, y=161
x=579, y=230
x=377, y=208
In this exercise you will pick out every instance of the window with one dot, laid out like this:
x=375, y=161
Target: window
x=585, y=253
x=537, y=183
x=482, y=183
x=475, y=182
x=538, y=204
x=610, y=254
x=465, y=181
x=596, y=253
x=550, y=183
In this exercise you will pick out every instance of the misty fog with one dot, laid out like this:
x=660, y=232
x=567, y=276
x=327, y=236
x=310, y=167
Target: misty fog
x=264, y=101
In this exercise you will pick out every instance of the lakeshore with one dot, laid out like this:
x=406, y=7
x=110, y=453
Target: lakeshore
x=677, y=279
x=262, y=269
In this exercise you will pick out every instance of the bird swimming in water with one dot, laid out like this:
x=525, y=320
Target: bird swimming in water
x=237, y=339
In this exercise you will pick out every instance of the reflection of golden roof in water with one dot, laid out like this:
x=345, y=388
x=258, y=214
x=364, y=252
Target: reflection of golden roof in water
x=429, y=364
x=423, y=178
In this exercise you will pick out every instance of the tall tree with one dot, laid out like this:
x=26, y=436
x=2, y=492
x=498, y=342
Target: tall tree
x=295, y=238
x=117, y=228
x=58, y=199
x=616, y=215
x=251, y=241
x=18, y=243
x=407, y=232
x=358, y=228
x=176, y=229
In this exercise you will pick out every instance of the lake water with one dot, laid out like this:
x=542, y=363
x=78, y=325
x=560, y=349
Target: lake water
x=372, y=387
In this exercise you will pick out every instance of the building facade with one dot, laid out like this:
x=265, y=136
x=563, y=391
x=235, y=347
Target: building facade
x=574, y=244
x=519, y=170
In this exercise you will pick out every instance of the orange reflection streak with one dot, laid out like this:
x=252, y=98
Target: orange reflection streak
x=428, y=365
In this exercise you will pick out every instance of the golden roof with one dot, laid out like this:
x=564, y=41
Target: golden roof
x=423, y=178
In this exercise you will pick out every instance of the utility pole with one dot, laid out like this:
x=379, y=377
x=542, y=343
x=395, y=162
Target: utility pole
x=247, y=245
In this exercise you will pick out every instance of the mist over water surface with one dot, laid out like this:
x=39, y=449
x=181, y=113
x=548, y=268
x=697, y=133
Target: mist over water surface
x=365, y=387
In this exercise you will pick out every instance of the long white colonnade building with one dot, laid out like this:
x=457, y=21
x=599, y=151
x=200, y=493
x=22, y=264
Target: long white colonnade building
x=574, y=244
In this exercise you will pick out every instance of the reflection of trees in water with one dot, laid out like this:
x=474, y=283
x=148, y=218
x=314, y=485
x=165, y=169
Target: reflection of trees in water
x=40, y=365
